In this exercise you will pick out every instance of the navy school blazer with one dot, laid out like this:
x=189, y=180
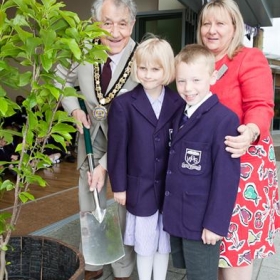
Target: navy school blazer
x=138, y=148
x=202, y=178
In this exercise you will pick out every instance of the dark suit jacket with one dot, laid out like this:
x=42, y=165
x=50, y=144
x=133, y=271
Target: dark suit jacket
x=202, y=178
x=138, y=148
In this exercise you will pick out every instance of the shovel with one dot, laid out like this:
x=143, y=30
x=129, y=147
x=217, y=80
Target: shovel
x=100, y=229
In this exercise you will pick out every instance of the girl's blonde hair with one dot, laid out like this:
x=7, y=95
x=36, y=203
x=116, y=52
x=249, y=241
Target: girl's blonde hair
x=220, y=7
x=155, y=51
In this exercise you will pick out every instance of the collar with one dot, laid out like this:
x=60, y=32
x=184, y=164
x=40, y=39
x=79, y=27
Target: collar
x=159, y=99
x=115, y=59
x=191, y=109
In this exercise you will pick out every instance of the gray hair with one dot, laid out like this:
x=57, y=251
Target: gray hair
x=97, y=6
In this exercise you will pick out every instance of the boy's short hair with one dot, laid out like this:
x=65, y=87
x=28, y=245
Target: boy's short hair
x=155, y=50
x=194, y=52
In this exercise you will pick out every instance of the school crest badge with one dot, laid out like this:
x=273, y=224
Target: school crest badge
x=192, y=160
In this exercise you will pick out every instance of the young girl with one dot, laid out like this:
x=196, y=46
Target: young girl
x=139, y=124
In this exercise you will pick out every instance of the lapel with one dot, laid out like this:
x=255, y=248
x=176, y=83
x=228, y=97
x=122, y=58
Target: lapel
x=192, y=121
x=171, y=104
x=142, y=104
x=121, y=65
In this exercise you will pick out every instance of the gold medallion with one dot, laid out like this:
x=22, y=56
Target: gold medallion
x=99, y=113
x=105, y=99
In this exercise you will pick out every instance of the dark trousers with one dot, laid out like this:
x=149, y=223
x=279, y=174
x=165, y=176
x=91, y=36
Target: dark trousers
x=200, y=260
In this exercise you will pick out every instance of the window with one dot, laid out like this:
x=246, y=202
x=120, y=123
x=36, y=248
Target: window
x=168, y=25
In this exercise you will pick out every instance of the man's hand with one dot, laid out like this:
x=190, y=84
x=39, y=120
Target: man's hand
x=209, y=237
x=96, y=179
x=81, y=118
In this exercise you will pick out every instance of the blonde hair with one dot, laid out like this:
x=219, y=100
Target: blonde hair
x=232, y=9
x=154, y=50
x=194, y=52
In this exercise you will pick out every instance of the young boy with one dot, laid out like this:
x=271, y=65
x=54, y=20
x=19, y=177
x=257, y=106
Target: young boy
x=202, y=178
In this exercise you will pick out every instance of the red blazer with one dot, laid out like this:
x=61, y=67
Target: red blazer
x=247, y=88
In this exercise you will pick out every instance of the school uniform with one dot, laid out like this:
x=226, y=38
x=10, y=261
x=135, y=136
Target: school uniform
x=202, y=178
x=137, y=160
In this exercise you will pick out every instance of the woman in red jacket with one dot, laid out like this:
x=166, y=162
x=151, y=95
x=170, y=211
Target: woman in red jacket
x=245, y=86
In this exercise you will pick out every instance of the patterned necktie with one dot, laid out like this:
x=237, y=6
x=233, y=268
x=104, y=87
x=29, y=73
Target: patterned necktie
x=106, y=75
x=184, y=119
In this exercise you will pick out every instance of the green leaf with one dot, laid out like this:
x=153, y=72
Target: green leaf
x=63, y=127
x=4, y=248
x=9, y=50
x=5, y=216
x=48, y=37
x=36, y=180
x=9, y=134
x=20, y=20
x=7, y=107
x=4, y=106
x=70, y=17
x=29, y=137
x=61, y=140
x=53, y=90
x=69, y=91
x=2, y=18
x=2, y=93
x=47, y=62
x=59, y=25
x=19, y=148
x=26, y=196
x=73, y=33
x=32, y=119
x=24, y=79
x=48, y=3
x=7, y=185
x=23, y=35
x=62, y=116
x=42, y=129
x=31, y=45
x=73, y=46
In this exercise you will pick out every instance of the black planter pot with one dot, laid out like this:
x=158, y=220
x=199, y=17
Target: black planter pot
x=43, y=258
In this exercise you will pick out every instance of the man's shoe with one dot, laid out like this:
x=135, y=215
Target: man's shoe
x=122, y=278
x=89, y=275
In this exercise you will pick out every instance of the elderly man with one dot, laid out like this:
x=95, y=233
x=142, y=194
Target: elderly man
x=118, y=18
